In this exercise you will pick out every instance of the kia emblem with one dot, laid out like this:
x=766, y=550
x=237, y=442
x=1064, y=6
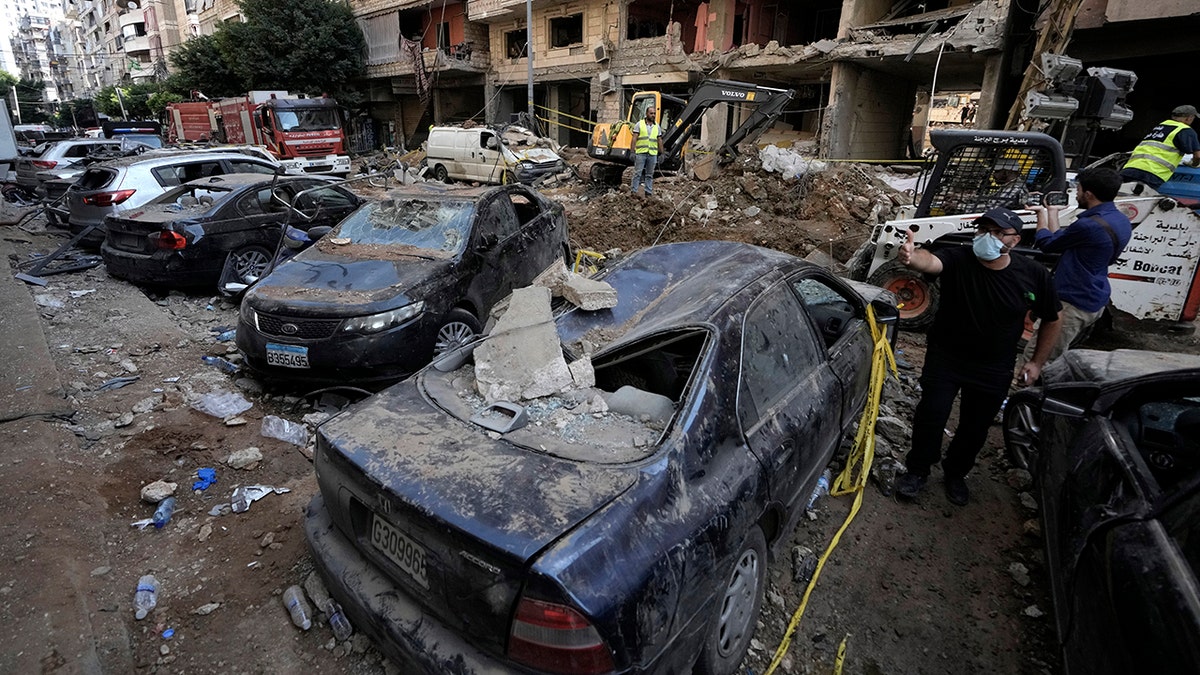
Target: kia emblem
x=289, y=329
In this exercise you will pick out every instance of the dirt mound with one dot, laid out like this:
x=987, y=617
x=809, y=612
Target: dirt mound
x=832, y=209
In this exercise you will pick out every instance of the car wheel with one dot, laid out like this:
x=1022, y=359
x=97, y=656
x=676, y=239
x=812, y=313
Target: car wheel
x=1022, y=428
x=918, y=297
x=439, y=172
x=737, y=606
x=250, y=263
x=459, y=328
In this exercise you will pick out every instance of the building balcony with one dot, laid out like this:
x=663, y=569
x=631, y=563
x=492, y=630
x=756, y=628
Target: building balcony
x=491, y=11
x=135, y=46
x=458, y=58
x=131, y=17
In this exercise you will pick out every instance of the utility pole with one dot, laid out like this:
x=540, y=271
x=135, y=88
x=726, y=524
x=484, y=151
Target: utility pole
x=529, y=57
x=121, y=101
x=16, y=104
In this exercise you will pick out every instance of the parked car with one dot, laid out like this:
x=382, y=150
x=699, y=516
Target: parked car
x=398, y=281
x=482, y=154
x=1113, y=440
x=121, y=184
x=184, y=237
x=58, y=155
x=541, y=551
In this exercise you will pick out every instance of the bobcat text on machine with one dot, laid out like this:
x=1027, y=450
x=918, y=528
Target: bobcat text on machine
x=305, y=134
x=612, y=143
x=1154, y=279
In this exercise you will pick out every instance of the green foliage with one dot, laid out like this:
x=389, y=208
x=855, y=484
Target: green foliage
x=76, y=113
x=143, y=100
x=157, y=102
x=7, y=82
x=304, y=46
x=30, y=97
x=201, y=66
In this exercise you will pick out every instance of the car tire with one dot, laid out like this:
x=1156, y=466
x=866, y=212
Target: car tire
x=249, y=263
x=457, y=329
x=918, y=295
x=737, y=607
x=1022, y=428
x=440, y=174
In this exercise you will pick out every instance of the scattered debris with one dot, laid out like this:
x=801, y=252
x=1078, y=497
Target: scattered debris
x=153, y=493
x=245, y=495
x=285, y=430
x=522, y=359
x=117, y=382
x=244, y=459
x=222, y=404
x=205, y=478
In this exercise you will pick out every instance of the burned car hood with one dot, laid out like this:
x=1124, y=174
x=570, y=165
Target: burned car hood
x=352, y=284
x=451, y=471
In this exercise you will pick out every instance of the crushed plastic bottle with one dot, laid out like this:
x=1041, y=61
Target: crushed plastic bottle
x=338, y=623
x=285, y=430
x=220, y=364
x=821, y=489
x=297, y=606
x=146, y=596
x=162, y=515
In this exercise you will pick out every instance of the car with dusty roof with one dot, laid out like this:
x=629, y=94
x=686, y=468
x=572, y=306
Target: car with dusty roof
x=117, y=185
x=617, y=528
x=1113, y=442
x=59, y=155
x=187, y=236
x=400, y=280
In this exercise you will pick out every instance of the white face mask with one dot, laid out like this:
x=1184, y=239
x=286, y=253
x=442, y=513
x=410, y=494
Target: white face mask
x=987, y=247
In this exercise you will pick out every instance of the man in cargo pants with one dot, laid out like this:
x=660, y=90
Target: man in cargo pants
x=647, y=144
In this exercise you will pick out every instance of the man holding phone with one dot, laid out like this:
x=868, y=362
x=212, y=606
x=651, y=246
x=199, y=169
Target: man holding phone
x=1088, y=246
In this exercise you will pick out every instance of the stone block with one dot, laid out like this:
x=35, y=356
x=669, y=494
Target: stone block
x=589, y=294
x=523, y=358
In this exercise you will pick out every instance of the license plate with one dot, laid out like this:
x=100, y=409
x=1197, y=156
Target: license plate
x=288, y=356
x=400, y=549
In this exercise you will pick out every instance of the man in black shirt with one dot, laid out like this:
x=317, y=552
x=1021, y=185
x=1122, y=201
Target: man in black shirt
x=972, y=344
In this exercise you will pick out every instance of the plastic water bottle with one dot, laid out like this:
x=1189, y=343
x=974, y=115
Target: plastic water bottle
x=821, y=489
x=220, y=363
x=342, y=630
x=163, y=513
x=146, y=596
x=297, y=606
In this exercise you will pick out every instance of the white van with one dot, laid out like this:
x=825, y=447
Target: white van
x=480, y=154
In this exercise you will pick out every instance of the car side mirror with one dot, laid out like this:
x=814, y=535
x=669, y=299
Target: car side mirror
x=319, y=231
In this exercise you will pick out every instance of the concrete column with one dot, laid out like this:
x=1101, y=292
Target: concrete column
x=554, y=100
x=988, y=116
x=920, y=123
x=489, y=96
x=861, y=12
x=838, y=124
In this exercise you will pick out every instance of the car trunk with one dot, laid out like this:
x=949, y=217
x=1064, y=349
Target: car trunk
x=132, y=234
x=453, y=517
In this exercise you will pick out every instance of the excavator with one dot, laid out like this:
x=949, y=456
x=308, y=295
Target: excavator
x=612, y=143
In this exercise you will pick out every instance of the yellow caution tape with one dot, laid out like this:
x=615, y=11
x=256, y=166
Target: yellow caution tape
x=854, y=477
x=563, y=114
x=840, y=661
x=561, y=124
x=579, y=255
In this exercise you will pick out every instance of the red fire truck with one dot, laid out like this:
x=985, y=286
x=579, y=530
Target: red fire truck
x=305, y=134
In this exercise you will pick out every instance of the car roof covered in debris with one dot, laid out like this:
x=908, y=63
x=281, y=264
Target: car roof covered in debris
x=434, y=190
x=671, y=286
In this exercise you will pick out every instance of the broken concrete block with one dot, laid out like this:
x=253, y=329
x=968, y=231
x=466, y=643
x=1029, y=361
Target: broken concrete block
x=244, y=459
x=640, y=404
x=157, y=491
x=589, y=294
x=582, y=373
x=523, y=359
x=147, y=404
x=553, y=277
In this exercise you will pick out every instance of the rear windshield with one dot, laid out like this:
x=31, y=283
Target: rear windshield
x=200, y=198
x=96, y=178
x=442, y=226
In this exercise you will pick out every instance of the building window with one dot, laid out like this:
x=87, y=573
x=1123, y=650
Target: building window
x=566, y=31
x=514, y=44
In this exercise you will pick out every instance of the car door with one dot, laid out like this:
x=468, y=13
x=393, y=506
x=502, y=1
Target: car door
x=1123, y=532
x=542, y=230
x=491, y=158
x=496, y=245
x=788, y=397
x=837, y=315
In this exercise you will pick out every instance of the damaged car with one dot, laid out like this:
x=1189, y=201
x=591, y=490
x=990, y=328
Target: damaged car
x=1113, y=442
x=624, y=523
x=187, y=236
x=398, y=281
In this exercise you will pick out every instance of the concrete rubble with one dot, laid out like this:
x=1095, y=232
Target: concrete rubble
x=523, y=358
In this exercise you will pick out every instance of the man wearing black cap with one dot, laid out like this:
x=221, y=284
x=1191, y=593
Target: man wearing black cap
x=972, y=345
x=1160, y=152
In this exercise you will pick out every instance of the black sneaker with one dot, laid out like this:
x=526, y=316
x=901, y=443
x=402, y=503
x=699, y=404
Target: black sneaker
x=956, y=490
x=909, y=485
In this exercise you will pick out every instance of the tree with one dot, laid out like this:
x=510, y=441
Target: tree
x=201, y=67
x=312, y=46
x=7, y=82
x=31, y=99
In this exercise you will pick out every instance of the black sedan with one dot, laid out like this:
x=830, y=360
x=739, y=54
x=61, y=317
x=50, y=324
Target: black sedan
x=184, y=237
x=1113, y=440
x=398, y=281
x=595, y=542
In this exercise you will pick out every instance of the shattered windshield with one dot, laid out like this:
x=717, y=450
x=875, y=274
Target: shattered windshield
x=443, y=226
x=307, y=119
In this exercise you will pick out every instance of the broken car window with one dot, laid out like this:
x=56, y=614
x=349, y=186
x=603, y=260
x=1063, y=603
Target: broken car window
x=443, y=226
x=777, y=349
x=831, y=312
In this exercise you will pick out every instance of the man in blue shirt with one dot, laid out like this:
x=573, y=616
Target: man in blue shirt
x=1088, y=246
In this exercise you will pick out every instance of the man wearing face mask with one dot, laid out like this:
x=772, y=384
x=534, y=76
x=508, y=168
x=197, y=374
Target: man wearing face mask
x=972, y=345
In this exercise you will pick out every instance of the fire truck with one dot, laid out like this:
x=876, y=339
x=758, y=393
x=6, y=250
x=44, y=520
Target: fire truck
x=304, y=134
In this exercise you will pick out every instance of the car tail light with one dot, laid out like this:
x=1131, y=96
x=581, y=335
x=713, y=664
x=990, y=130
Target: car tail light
x=557, y=639
x=44, y=164
x=108, y=198
x=169, y=240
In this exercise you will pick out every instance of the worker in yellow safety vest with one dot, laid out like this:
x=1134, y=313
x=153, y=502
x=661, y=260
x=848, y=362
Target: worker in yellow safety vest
x=1160, y=152
x=647, y=145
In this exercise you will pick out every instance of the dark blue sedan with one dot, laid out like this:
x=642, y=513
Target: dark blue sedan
x=596, y=542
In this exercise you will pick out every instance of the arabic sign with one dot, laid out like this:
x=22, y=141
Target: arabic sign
x=1154, y=274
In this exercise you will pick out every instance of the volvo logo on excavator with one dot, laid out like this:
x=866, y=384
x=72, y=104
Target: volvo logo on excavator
x=733, y=94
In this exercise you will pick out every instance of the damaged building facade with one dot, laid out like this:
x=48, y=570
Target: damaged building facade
x=864, y=71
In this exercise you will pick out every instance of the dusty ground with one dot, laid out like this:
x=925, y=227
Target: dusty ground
x=922, y=587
